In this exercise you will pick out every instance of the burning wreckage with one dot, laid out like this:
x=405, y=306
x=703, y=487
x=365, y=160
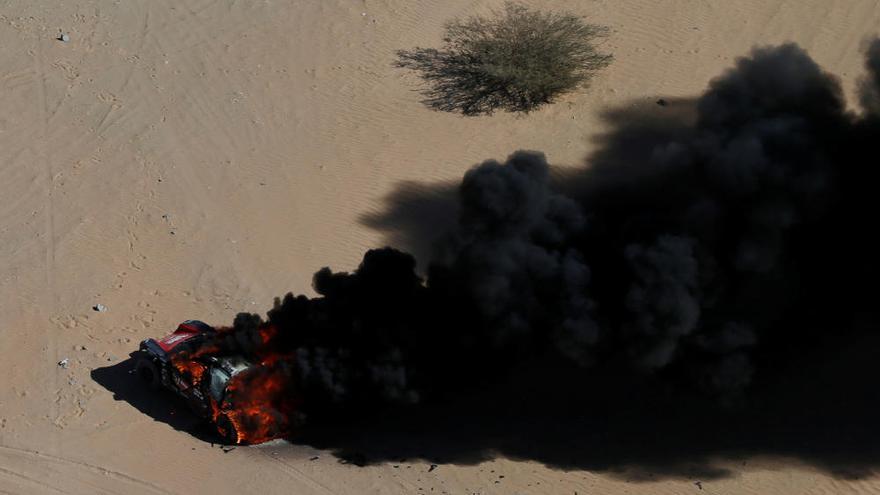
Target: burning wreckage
x=247, y=399
x=723, y=250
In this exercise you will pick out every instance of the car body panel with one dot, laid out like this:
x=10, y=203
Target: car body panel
x=185, y=332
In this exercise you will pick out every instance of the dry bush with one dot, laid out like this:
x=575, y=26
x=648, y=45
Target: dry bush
x=517, y=60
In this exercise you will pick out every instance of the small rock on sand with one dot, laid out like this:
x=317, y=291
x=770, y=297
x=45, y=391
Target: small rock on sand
x=99, y=308
x=64, y=363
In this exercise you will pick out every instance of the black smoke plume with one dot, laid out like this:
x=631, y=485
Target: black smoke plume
x=726, y=249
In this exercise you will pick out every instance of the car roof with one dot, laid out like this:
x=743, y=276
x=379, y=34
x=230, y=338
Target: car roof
x=198, y=325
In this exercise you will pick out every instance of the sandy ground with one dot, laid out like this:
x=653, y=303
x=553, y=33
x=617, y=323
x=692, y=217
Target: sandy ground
x=195, y=158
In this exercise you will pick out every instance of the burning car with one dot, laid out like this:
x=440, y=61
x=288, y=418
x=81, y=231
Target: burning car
x=247, y=400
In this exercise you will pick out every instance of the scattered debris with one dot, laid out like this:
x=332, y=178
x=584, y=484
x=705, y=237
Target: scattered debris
x=662, y=102
x=356, y=458
x=64, y=363
x=433, y=467
x=99, y=308
x=64, y=37
x=315, y=458
x=699, y=484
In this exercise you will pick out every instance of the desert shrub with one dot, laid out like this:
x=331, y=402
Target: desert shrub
x=516, y=60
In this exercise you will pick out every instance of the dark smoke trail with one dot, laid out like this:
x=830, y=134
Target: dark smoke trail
x=741, y=242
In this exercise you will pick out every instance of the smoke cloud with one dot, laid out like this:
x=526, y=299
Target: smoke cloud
x=730, y=246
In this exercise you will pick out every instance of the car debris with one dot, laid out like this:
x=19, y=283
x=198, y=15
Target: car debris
x=99, y=308
x=64, y=363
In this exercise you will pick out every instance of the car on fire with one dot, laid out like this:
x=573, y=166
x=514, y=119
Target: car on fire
x=206, y=383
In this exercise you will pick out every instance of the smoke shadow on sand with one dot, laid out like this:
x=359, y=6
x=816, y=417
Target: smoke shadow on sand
x=814, y=404
x=812, y=413
x=699, y=298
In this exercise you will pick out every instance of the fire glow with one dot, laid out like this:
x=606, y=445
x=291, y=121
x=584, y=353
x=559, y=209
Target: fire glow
x=259, y=403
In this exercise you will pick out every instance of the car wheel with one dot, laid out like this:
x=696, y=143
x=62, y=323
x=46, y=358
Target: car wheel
x=148, y=373
x=227, y=430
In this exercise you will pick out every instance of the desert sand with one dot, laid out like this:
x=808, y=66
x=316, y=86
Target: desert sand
x=196, y=158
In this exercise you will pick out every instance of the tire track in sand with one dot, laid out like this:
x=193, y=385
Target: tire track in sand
x=40, y=150
x=36, y=472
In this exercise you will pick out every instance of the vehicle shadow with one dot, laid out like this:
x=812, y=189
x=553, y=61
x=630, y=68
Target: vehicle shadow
x=161, y=405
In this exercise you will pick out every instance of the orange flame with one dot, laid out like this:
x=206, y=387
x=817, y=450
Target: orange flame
x=261, y=402
x=191, y=371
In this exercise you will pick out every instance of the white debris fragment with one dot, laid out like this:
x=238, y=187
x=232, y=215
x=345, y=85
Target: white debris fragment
x=64, y=363
x=99, y=308
x=64, y=37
